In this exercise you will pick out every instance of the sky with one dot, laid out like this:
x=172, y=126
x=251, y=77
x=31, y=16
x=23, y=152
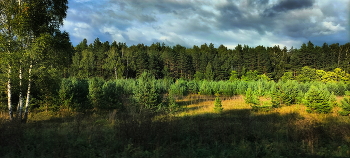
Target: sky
x=195, y=22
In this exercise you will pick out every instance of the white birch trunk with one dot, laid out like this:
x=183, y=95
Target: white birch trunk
x=20, y=98
x=9, y=103
x=28, y=93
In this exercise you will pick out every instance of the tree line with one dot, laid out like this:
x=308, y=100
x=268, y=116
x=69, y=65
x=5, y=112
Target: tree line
x=117, y=60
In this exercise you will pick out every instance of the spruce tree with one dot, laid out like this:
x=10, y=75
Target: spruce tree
x=318, y=100
x=345, y=105
x=146, y=94
x=217, y=105
x=251, y=98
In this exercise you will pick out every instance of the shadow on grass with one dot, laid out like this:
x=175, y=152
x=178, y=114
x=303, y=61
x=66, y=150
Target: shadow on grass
x=232, y=133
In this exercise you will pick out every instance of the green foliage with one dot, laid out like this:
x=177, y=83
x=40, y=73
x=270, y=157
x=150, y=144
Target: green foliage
x=251, y=97
x=286, y=93
x=206, y=88
x=146, y=93
x=287, y=76
x=74, y=94
x=250, y=76
x=263, y=77
x=227, y=88
x=318, y=100
x=111, y=96
x=95, y=92
x=199, y=76
x=242, y=87
x=179, y=88
x=307, y=74
x=217, y=105
x=193, y=87
x=209, y=74
x=233, y=76
x=345, y=105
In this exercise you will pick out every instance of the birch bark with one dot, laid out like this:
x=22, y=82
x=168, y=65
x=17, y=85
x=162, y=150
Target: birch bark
x=28, y=93
x=9, y=94
x=20, y=98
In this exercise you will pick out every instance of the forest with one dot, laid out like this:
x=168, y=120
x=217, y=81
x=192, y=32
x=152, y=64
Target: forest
x=102, y=99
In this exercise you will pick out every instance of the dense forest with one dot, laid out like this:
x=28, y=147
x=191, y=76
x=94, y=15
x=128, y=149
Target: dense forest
x=117, y=60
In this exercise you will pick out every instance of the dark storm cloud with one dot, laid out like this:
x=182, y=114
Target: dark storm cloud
x=194, y=22
x=287, y=5
x=243, y=16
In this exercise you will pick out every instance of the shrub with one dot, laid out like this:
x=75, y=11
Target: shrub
x=74, y=94
x=193, y=87
x=179, y=88
x=206, y=88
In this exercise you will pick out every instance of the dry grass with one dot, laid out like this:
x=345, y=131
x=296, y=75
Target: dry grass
x=198, y=105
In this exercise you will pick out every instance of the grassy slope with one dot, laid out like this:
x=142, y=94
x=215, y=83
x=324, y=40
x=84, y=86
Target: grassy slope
x=194, y=132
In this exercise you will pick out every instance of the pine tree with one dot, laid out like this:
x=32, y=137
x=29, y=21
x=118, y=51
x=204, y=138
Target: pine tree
x=345, y=105
x=251, y=97
x=318, y=100
x=217, y=105
x=146, y=94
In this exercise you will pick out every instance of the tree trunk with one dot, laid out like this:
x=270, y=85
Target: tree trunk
x=115, y=73
x=28, y=93
x=9, y=103
x=20, y=97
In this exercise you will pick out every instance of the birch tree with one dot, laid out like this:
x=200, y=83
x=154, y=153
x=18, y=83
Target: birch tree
x=27, y=25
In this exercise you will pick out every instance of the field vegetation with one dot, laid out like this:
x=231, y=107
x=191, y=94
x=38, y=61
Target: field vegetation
x=146, y=117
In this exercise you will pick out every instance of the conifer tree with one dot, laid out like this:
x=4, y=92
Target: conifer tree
x=251, y=97
x=217, y=105
x=146, y=94
x=345, y=105
x=318, y=100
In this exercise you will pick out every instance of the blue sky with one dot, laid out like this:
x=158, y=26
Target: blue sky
x=195, y=22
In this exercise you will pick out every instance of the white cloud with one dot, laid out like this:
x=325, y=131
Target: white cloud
x=331, y=27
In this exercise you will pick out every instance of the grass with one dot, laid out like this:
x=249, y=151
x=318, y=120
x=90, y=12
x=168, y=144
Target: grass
x=195, y=131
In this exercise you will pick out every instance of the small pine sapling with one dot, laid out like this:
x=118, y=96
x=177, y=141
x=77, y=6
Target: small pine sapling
x=217, y=105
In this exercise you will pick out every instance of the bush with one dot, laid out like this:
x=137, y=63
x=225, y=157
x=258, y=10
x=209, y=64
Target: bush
x=193, y=87
x=179, y=88
x=74, y=94
x=318, y=100
x=206, y=88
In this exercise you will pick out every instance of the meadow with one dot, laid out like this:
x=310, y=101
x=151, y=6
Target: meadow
x=194, y=129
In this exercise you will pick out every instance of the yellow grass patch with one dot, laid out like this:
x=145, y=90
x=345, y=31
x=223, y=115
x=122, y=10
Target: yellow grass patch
x=198, y=105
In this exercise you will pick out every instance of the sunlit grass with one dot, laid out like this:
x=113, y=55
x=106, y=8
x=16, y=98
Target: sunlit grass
x=199, y=105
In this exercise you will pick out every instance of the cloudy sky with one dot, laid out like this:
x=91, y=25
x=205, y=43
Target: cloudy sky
x=195, y=22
